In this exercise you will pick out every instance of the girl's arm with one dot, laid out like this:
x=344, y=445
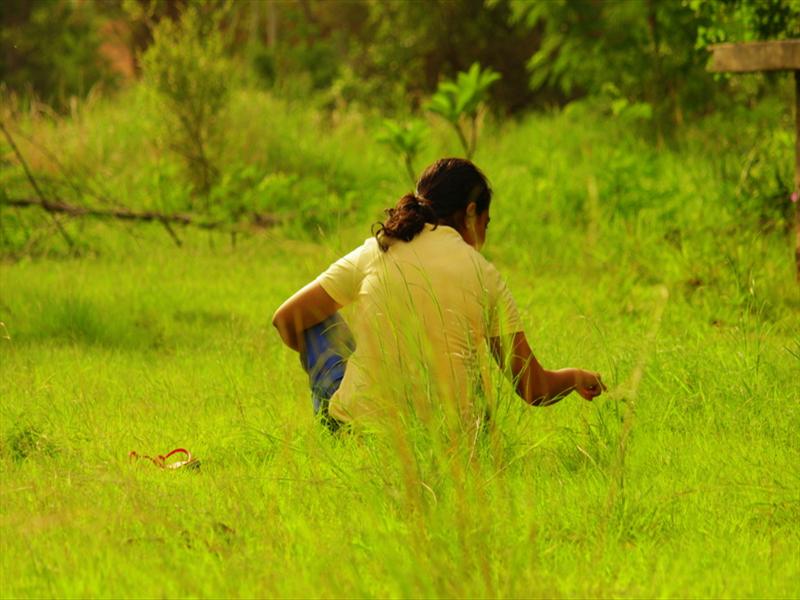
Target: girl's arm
x=306, y=307
x=536, y=385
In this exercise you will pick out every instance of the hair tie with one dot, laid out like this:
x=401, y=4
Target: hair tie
x=422, y=200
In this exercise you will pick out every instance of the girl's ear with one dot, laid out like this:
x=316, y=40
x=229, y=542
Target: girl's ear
x=472, y=210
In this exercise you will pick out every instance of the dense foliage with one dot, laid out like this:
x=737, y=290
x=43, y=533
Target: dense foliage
x=641, y=63
x=394, y=54
x=52, y=49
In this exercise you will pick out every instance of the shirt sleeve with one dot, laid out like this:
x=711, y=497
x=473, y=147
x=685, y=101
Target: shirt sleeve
x=504, y=316
x=342, y=280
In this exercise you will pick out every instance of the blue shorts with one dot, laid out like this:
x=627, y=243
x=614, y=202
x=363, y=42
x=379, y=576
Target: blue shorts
x=327, y=346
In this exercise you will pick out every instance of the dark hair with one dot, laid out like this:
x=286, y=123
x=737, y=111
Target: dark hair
x=443, y=192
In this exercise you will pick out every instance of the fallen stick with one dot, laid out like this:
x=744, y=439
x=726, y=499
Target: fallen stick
x=126, y=214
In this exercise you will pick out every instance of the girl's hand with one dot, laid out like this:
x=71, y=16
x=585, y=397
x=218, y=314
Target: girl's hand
x=588, y=384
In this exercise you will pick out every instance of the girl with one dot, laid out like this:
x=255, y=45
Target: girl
x=427, y=305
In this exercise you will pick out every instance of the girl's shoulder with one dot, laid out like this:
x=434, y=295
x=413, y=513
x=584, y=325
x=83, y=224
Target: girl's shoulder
x=370, y=249
x=365, y=255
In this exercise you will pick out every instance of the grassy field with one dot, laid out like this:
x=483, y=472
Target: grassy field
x=646, y=264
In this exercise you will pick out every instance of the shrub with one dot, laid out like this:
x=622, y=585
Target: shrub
x=190, y=79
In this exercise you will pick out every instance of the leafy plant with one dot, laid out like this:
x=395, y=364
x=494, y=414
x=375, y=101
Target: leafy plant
x=645, y=49
x=26, y=440
x=742, y=20
x=460, y=100
x=186, y=69
x=405, y=139
x=623, y=108
x=765, y=180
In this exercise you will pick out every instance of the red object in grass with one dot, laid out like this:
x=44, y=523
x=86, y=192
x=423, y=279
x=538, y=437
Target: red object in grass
x=161, y=460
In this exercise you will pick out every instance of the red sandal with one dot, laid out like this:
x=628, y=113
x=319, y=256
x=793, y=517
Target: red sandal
x=161, y=460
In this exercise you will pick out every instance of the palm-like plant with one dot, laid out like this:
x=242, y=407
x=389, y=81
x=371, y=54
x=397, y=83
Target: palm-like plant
x=461, y=99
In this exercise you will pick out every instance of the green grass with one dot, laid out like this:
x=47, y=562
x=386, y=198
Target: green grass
x=685, y=484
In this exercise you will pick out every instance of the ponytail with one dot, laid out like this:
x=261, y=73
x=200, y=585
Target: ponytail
x=444, y=191
x=405, y=220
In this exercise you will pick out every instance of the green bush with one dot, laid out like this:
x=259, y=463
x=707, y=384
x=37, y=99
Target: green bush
x=186, y=69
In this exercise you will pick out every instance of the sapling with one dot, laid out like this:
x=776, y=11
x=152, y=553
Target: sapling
x=460, y=101
x=406, y=139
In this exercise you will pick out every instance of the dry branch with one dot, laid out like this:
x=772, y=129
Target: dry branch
x=125, y=214
x=55, y=207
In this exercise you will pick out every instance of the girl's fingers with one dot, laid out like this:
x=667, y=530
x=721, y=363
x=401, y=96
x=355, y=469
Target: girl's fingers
x=600, y=382
x=591, y=389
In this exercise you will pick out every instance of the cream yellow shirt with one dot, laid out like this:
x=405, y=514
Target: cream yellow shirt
x=422, y=313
